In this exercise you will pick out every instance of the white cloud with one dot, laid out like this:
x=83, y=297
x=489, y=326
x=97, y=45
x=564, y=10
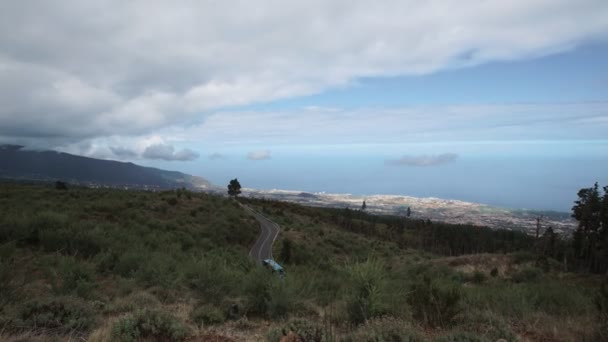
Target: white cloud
x=423, y=160
x=86, y=70
x=258, y=155
x=403, y=125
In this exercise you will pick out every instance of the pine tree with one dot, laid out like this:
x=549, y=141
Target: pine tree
x=234, y=188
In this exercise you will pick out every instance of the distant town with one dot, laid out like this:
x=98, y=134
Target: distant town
x=435, y=209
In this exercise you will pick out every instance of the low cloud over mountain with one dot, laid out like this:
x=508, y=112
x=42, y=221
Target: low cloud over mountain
x=168, y=152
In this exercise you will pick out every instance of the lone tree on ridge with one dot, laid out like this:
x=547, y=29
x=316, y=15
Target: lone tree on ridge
x=234, y=188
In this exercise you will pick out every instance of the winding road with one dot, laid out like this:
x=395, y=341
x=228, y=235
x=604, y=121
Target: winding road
x=262, y=249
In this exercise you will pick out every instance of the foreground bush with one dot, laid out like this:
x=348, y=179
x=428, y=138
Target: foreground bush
x=368, y=285
x=487, y=324
x=61, y=314
x=208, y=315
x=461, y=337
x=385, y=330
x=149, y=325
x=433, y=302
x=305, y=330
x=601, y=303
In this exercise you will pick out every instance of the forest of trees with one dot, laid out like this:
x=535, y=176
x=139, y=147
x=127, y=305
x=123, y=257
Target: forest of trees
x=585, y=250
x=590, y=240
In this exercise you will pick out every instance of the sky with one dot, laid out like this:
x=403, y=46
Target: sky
x=497, y=102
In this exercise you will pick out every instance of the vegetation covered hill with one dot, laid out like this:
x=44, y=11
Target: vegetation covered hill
x=116, y=265
x=17, y=163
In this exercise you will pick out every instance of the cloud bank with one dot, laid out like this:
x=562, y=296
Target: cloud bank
x=259, y=155
x=423, y=160
x=168, y=152
x=87, y=70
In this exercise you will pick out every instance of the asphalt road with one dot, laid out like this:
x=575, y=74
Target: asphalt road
x=262, y=249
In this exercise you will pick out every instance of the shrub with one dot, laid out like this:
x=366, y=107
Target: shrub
x=281, y=298
x=433, y=303
x=62, y=314
x=208, y=314
x=43, y=221
x=487, y=324
x=460, y=337
x=158, y=269
x=213, y=278
x=478, y=277
x=526, y=274
x=134, y=302
x=368, y=280
x=523, y=257
x=601, y=304
x=385, y=330
x=76, y=277
x=8, y=287
x=494, y=272
x=305, y=330
x=149, y=325
x=129, y=262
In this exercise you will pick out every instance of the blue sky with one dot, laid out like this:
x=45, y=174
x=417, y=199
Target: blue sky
x=498, y=102
x=539, y=164
x=578, y=75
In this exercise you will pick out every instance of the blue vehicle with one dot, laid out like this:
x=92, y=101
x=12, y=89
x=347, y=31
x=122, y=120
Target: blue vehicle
x=274, y=266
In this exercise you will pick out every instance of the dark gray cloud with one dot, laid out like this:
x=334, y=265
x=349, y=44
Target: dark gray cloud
x=423, y=160
x=123, y=152
x=259, y=155
x=167, y=152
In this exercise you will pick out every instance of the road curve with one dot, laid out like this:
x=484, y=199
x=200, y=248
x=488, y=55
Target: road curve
x=262, y=248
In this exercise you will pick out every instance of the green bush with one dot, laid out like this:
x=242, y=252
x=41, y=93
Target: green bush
x=208, y=315
x=478, y=277
x=213, y=278
x=281, y=299
x=461, y=337
x=62, y=314
x=130, y=262
x=526, y=274
x=601, y=304
x=149, y=325
x=75, y=277
x=366, y=300
x=487, y=324
x=385, y=329
x=520, y=300
x=159, y=269
x=306, y=330
x=434, y=302
x=257, y=291
x=134, y=302
x=79, y=240
x=523, y=257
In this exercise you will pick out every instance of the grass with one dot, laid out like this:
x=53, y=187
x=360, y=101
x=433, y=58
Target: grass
x=108, y=264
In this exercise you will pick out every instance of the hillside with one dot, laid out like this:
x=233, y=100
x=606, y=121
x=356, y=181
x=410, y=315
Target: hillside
x=19, y=163
x=128, y=265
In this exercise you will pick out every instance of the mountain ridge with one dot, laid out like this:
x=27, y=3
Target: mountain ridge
x=16, y=162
